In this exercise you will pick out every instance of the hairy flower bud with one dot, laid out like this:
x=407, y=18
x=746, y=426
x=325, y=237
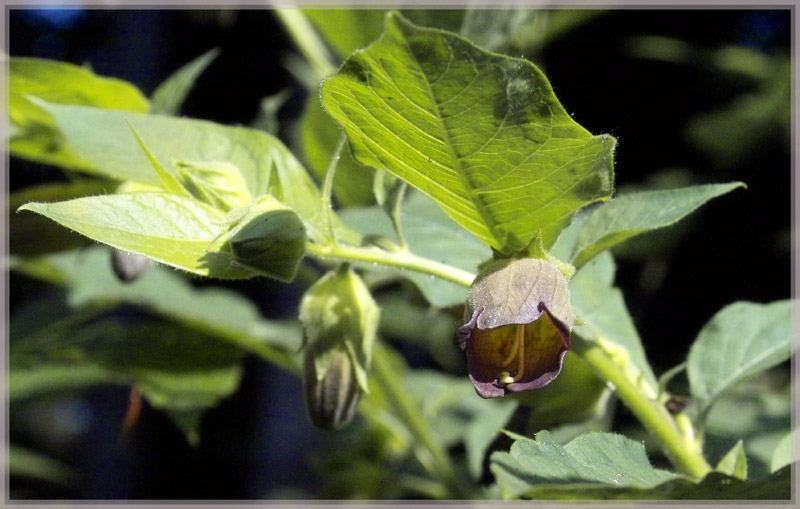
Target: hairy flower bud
x=340, y=321
x=332, y=396
x=519, y=319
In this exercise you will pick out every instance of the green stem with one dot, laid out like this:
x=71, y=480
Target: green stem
x=404, y=408
x=683, y=452
x=402, y=259
x=307, y=41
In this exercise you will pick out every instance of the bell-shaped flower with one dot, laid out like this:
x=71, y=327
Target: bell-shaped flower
x=519, y=320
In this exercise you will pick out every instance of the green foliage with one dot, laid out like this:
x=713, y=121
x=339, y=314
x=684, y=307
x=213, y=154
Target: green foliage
x=35, y=136
x=592, y=458
x=459, y=159
x=632, y=214
x=481, y=134
x=601, y=308
x=169, y=96
x=739, y=341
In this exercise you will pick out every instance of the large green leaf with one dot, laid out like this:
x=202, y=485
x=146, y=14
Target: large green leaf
x=35, y=136
x=480, y=133
x=739, y=341
x=601, y=459
x=429, y=233
x=170, y=229
x=176, y=367
x=601, y=308
x=715, y=486
x=106, y=139
x=169, y=96
x=635, y=213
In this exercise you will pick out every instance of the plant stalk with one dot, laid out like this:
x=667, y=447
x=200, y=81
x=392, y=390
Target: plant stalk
x=405, y=409
x=683, y=452
x=401, y=259
x=307, y=41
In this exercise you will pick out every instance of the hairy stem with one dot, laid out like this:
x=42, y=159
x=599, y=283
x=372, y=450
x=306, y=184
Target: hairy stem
x=402, y=259
x=404, y=408
x=682, y=451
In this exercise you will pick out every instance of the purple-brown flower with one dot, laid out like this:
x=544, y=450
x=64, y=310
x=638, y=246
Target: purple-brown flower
x=519, y=319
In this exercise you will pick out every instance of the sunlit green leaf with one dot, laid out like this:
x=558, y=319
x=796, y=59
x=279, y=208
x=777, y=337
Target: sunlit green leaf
x=481, y=134
x=635, y=213
x=167, y=228
x=169, y=96
x=35, y=136
x=105, y=139
x=592, y=458
x=734, y=463
x=739, y=341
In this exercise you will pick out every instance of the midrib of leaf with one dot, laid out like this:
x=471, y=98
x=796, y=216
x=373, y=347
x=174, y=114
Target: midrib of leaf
x=456, y=163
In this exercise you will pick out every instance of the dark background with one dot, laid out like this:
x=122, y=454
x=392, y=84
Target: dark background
x=735, y=248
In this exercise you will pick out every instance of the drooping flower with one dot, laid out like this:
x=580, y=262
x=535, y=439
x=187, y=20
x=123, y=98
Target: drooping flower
x=518, y=322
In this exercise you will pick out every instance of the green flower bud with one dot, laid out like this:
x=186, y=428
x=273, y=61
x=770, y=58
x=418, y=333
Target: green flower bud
x=332, y=395
x=519, y=319
x=340, y=321
x=266, y=237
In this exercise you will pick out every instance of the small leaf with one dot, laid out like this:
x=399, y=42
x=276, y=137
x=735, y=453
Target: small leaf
x=635, y=213
x=266, y=237
x=734, y=463
x=785, y=452
x=601, y=308
x=169, y=95
x=480, y=133
x=739, y=341
x=592, y=458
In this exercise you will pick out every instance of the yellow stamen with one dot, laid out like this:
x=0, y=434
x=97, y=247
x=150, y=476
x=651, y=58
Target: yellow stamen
x=512, y=352
x=521, y=357
x=517, y=350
